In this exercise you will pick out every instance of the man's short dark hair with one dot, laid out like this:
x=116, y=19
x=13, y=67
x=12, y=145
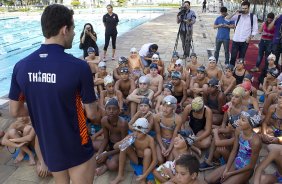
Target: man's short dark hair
x=223, y=9
x=187, y=2
x=154, y=46
x=190, y=162
x=244, y=3
x=55, y=17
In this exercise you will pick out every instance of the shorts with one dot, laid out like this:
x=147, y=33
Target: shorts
x=140, y=160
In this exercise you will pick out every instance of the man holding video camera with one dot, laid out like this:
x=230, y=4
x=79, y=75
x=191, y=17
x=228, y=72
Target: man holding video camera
x=186, y=18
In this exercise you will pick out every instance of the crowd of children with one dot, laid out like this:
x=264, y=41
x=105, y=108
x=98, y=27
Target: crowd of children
x=166, y=120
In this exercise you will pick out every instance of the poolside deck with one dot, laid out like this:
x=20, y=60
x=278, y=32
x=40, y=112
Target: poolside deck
x=163, y=31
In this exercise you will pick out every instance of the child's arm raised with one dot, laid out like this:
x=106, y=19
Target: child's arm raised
x=133, y=119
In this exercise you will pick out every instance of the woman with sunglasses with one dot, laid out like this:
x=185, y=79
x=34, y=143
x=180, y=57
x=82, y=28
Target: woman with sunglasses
x=88, y=38
x=110, y=21
x=166, y=123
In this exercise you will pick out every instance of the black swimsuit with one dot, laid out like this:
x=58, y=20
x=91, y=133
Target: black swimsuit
x=239, y=79
x=197, y=124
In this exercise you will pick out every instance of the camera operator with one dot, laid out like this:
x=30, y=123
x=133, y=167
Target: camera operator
x=186, y=18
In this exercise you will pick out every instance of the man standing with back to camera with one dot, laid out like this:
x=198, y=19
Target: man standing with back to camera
x=186, y=17
x=55, y=87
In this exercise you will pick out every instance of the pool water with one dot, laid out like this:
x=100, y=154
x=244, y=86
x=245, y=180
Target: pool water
x=20, y=36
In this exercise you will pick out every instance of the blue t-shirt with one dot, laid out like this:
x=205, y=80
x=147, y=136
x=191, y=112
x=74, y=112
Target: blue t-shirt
x=54, y=85
x=223, y=33
x=277, y=34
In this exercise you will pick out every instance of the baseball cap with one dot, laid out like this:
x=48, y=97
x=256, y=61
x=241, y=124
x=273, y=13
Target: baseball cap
x=141, y=125
x=197, y=103
x=144, y=79
x=175, y=75
x=212, y=59
x=155, y=57
x=169, y=100
x=122, y=60
x=146, y=101
x=179, y=62
x=124, y=70
x=102, y=64
x=153, y=65
x=253, y=117
x=90, y=49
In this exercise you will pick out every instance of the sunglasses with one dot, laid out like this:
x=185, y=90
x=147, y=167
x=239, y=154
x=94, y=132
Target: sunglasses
x=179, y=65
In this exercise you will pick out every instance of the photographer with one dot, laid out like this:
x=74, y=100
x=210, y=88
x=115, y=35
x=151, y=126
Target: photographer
x=186, y=18
x=88, y=38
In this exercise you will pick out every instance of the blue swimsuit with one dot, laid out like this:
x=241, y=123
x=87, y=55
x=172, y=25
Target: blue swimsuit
x=243, y=157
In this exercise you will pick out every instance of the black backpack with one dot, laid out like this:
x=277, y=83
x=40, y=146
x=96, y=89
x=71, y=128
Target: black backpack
x=252, y=21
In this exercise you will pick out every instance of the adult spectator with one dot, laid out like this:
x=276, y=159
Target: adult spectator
x=55, y=105
x=186, y=18
x=110, y=21
x=265, y=42
x=204, y=8
x=223, y=27
x=246, y=29
x=277, y=39
x=146, y=52
x=88, y=38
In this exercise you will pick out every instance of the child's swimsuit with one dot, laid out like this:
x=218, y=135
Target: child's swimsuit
x=239, y=79
x=243, y=157
x=213, y=104
x=197, y=124
x=167, y=141
x=276, y=131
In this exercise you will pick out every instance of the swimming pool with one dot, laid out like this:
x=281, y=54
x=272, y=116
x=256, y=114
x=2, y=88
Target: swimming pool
x=20, y=36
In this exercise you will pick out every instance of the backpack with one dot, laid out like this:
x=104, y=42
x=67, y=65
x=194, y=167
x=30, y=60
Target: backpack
x=252, y=21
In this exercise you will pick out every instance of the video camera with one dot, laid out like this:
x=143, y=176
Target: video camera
x=182, y=11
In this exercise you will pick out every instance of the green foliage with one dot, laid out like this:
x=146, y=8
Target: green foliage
x=169, y=4
x=75, y=3
x=121, y=2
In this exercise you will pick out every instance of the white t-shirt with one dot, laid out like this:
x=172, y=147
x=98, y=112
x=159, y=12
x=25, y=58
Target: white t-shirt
x=145, y=49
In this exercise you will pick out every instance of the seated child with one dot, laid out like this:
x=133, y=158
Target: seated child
x=248, y=100
x=167, y=123
x=110, y=92
x=185, y=75
x=228, y=82
x=215, y=99
x=270, y=81
x=114, y=129
x=122, y=62
x=272, y=98
x=192, y=67
x=274, y=155
x=144, y=112
x=160, y=64
x=271, y=126
x=143, y=91
x=182, y=145
x=186, y=171
x=156, y=80
x=171, y=65
x=269, y=65
x=249, y=77
x=167, y=91
x=213, y=70
x=135, y=64
x=142, y=151
x=200, y=122
x=21, y=135
x=245, y=152
x=199, y=83
x=99, y=77
x=92, y=60
x=239, y=71
x=125, y=84
x=179, y=88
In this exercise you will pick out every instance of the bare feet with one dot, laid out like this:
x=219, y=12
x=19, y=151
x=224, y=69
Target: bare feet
x=101, y=170
x=117, y=180
x=42, y=170
x=31, y=159
x=20, y=157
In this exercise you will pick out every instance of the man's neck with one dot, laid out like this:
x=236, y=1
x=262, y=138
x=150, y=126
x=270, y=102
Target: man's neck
x=54, y=40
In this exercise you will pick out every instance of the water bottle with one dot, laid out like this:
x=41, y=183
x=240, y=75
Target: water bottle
x=92, y=130
x=126, y=142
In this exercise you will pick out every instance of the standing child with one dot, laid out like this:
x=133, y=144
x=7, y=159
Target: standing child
x=244, y=154
x=141, y=152
x=114, y=129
